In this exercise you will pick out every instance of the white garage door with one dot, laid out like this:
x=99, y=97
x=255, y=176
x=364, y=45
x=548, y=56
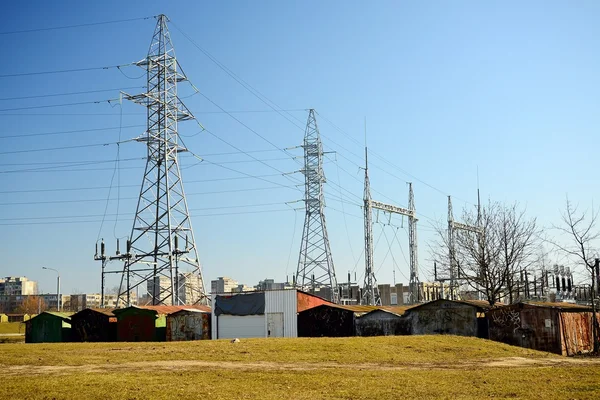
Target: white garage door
x=235, y=326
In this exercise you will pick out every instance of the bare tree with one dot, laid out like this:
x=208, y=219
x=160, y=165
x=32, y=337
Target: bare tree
x=490, y=257
x=582, y=249
x=32, y=305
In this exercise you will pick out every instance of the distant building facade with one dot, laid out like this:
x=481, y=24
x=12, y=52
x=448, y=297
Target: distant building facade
x=16, y=286
x=190, y=287
x=224, y=284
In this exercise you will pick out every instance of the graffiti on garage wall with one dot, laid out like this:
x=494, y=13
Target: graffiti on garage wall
x=507, y=318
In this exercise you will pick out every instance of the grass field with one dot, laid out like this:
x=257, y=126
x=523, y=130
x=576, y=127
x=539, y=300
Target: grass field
x=12, y=327
x=326, y=368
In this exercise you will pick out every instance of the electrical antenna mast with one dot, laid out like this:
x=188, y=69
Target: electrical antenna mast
x=162, y=221
x=315, y=264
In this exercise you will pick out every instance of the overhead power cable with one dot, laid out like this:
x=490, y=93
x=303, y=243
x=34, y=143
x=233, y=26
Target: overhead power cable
x=63, y=71
x=72, y=131
x=77, y=189
x=70, y=93
x=53, y=28
x=192, y=215
x=60, y=105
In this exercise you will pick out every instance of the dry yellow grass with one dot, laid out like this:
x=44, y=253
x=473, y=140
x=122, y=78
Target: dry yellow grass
x=12, y=327
x=345, y=368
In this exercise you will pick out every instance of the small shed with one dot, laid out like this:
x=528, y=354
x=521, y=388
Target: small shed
x=48, y=327
x=188, y=324
x=94, y=325
x=450, y=317
x=16, y=317
x=269, y=313
x=146, y=323
x=3, y=318
x=382, y=322
x=561, y=328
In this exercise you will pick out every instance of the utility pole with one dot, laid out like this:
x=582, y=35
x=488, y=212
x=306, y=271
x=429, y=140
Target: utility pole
x=162, y=218
x=315, y=263
x=58, y=306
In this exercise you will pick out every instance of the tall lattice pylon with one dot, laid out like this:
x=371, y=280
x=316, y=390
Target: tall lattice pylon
x=370, y=294
x=161, y=252
x=315, y=264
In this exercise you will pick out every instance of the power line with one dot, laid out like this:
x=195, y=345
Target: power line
x=59, y=148
x=69, y=93
x=62, y=71
x=59, y=105
x=76, y=26
x=72, y=131
x=240, y=81
x=193, y=216
x=133, y=198
x=130, y=186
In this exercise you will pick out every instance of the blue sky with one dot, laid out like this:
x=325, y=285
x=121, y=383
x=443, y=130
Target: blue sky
x=447, y=88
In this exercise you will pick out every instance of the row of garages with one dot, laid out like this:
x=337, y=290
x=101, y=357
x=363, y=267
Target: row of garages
x=554, y=327
x=131, y=324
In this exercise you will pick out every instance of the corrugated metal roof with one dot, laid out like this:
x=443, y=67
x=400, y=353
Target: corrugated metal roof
x=481, y=304
x=560, y=305
x=193, y=310
x=360, y=309
x=63, y=315
x=105, y=311
x=164, y=310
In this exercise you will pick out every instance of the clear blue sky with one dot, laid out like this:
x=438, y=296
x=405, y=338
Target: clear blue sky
x=510, y=88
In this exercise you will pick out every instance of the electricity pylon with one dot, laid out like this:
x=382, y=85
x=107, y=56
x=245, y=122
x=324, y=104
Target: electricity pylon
x=315, y=264
x=370, y=290
x=370, y=295
x=452, y=227
x=162, y=241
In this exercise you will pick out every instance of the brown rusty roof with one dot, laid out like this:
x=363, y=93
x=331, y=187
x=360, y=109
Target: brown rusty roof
x=105, y=311
x=171, y=309
x=560, y=305
x=360, y=309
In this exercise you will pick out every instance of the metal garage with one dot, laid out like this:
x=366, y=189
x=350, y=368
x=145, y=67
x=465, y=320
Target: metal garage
x=270, y=313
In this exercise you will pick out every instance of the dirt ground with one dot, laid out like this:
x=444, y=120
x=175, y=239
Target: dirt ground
x=183, y=365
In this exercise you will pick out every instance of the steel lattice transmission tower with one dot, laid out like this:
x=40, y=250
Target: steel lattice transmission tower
x=315, y=264
x=370, y=295
x=162, y=241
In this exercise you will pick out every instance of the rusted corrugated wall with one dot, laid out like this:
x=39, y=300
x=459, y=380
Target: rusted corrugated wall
x=526, y=326
x=188, y=325
x=545, y=328
x=576, y=332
